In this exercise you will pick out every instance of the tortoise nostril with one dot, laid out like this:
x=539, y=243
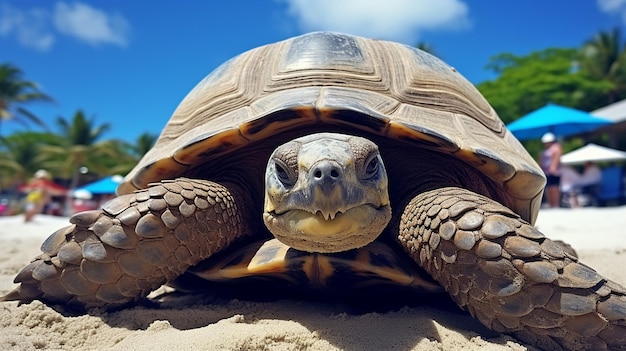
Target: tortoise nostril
x=326, y=175
x=325, y=170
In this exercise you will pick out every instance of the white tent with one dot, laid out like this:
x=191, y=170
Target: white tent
x=593, y=153
x=615, y=112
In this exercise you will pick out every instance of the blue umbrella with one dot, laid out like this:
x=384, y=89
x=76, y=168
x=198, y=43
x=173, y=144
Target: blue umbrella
x=560, y=120
x=105, y=185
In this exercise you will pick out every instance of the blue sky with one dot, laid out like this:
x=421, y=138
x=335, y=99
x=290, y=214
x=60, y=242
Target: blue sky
x=129, y=63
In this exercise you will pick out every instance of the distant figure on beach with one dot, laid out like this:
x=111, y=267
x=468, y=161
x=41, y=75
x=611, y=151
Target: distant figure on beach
x=4, y=207
x=592, y=175
x=38, y=195
x=569, y=180
x=550, y=162
x=574, y=184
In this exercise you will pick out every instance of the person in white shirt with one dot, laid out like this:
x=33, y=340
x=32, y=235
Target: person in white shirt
x=573, y=184
x=592, y=175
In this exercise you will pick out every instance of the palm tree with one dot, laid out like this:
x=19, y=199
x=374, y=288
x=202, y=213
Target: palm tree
x=14, y=92
x=604, y=58
x=80, y=148
x=143, y=144
x=21, y=157
x=131, y=153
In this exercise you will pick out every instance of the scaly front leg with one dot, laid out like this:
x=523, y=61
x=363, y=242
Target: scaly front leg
x=511, y=277
x=137, y=242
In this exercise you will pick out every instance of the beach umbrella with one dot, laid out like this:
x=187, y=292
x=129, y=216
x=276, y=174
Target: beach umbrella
x=48, y=185
x=106, y=185
x=592, y=153
x=559, y=120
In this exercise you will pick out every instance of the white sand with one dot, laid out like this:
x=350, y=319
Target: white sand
x=597, y=234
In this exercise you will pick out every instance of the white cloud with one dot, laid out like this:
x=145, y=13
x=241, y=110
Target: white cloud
x=39, y=28
x=613, y=7
x=31, y=28
x=89, y=24
x=400, y=20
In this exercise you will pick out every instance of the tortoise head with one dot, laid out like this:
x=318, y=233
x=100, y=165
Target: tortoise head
x=326, y=193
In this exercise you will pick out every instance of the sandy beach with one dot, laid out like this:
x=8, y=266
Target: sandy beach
x=183, y=323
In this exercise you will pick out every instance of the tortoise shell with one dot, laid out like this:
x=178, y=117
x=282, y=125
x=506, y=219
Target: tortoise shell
x=361, y=85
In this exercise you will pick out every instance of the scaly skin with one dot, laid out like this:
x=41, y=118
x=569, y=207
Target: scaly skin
x=136, y=243
x=509, y=276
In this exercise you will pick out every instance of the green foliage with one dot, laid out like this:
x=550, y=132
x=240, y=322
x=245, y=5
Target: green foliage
x=81, y=130
x=587, y=78
x=21, y=156
x=81, y=147
x=78, y=142
x=603, y=58
x=129, y=154
x=526, y=83
x=426, y=47
x=15, y=92
x=143, y=144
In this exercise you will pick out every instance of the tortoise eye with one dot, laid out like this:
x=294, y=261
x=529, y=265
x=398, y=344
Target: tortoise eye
x=371, y=170
x=284, y=176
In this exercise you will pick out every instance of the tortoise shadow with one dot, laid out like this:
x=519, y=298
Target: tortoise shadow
x=359, y=324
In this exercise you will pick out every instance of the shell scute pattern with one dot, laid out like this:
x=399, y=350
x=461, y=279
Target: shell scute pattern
x=323, y=80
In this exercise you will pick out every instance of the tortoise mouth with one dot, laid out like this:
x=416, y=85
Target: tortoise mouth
x=327, y=232
x=323, y=215
x=329, y=216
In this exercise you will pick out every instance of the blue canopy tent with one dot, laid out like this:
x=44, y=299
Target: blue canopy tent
x=106, y=185
x=560, y=120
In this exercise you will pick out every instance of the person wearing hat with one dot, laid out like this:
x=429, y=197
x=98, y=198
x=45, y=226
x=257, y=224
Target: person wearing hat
x=550, y=162
x=38, y=195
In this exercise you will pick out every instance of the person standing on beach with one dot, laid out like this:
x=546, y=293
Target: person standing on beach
x=38, y=195
x=550, y=161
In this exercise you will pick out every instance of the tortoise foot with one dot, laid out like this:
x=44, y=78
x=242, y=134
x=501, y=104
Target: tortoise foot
x=136, y=243
x=511, y=277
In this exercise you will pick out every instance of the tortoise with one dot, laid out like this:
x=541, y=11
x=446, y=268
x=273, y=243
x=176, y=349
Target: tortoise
x=328, y=160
